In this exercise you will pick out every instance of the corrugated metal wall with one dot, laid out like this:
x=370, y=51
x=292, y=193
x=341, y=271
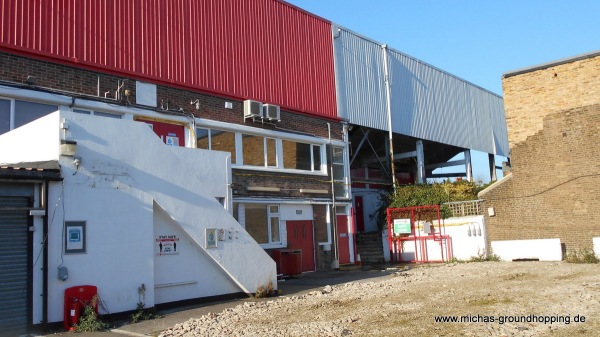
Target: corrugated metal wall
x=427, y=103
x=360, y=80
x=264, y=50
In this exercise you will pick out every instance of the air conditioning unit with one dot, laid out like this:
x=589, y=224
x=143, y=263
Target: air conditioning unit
x=271, y=112
x=252, y=109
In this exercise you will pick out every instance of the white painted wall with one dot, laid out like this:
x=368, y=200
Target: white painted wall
x=118, y=232
x=125, y=169
x=185, y=272
x=39, y=140
x=464, y=246
x=290, y=212
x=542, y=249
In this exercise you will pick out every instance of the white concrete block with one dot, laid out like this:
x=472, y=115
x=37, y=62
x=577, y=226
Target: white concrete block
x=542, y=249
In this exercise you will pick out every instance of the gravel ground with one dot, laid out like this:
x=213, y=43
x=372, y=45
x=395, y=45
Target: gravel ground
x=408, y=302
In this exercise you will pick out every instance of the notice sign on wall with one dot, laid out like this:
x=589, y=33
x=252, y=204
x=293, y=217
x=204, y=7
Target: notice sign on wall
x=402, y=226
x=167, y=245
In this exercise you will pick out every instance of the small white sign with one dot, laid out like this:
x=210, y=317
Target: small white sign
x=167, y=245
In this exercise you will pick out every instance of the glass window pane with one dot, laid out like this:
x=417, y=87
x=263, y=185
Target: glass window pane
x=106, y=114
x=271, y=153
x=202, y=138
x=296, y=156
x=316, y=158
x=338, y=172
x=26, y=112
x=256, y=222
x=340, y=189
x=340, y=209
x=236, y=214
x=275, y=229
x=273, y=209
x=338, y=155
x=223, y=141
x=80, y=111
x=4, y=116
x=254, y=150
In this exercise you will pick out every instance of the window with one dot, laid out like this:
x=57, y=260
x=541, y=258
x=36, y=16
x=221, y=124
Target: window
x=261, y=151
x=83, y=112
x=339, y=172
x=4, y=116
x=26, y=112
x=274, y=223
x=106, y=114
x=203, y=138
x=301, y=156
x=210, y=139
x=253, y=148
x=256, y=222
x=261, y=221
x=97, y=113
x=271, y=148
x=16, y=113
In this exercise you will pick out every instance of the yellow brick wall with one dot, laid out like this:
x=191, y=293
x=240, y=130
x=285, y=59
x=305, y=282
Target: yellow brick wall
x=553, y=117
x=531, y=96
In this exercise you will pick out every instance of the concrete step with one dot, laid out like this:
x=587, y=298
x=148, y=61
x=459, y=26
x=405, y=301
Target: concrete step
x=370, y=247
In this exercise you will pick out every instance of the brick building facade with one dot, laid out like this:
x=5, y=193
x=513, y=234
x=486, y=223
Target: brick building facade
x=174, y=102
x=553, y=117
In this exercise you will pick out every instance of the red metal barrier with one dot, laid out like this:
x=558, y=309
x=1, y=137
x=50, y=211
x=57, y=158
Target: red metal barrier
x=397, y=241
x=76, y=299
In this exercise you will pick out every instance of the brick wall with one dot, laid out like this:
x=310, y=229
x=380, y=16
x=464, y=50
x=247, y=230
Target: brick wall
x=553, y=117
x=530, y=96
x=554, y=189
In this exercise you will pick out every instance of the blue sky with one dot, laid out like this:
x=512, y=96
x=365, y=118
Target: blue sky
x=475, y=40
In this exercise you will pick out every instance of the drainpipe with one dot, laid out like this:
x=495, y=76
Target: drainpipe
x=388, y=97
x=45, y=257
x=335, y=264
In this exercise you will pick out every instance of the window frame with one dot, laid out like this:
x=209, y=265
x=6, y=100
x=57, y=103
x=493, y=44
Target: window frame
x=90, y=112
x=269, y=216
x=13, y=110
x=344, y=180
x=317, y=153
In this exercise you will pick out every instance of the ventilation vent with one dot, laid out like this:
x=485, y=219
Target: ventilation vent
x=271, y=112
x=252, y=109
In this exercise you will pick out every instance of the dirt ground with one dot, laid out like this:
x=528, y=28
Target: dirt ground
x=491, y=298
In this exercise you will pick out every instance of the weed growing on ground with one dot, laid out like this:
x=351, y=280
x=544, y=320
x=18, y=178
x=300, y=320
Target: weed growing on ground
x=483, y=257
x=480, y=257
x=267, y=290
x=142, y=314
x=89, y=321
x=581, y=256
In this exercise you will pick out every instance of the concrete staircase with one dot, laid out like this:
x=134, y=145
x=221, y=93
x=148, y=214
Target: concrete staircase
x=370, y=247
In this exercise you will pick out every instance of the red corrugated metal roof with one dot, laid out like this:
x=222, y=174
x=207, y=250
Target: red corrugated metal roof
x=264, y=50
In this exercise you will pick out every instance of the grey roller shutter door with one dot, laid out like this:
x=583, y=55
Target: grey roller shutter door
x=14, y=283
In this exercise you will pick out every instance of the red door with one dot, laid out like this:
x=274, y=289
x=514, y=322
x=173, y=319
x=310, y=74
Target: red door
x=360, y=217
x=170, y=134
x=300, y=236
x=343, y=239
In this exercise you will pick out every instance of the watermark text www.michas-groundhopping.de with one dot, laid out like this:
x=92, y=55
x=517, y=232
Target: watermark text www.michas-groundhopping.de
x=502, y=319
